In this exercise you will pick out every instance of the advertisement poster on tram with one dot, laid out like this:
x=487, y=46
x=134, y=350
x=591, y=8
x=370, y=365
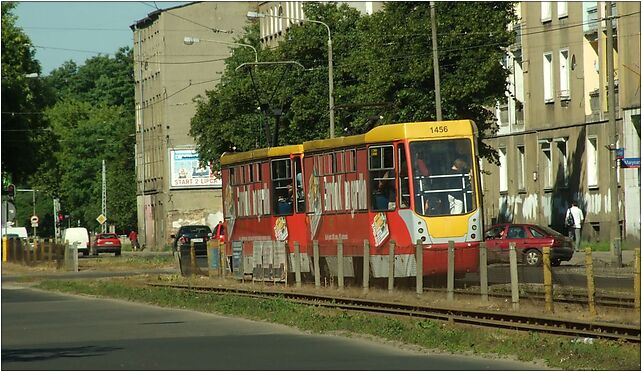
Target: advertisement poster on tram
x=380, y=229
x=185, y=171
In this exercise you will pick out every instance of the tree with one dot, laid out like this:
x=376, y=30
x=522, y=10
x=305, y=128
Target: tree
x=93, y=120
x=383, y=66
x=23, y=100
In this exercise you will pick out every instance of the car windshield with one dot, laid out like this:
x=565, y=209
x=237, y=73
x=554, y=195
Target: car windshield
x=195, y=230
x=442, y=177
x=548, y=231
x=107, y=236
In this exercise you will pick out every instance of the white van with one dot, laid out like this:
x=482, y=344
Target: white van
x=20, y=231
x=78, y=235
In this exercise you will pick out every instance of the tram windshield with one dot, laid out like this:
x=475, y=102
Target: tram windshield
x=442, y=177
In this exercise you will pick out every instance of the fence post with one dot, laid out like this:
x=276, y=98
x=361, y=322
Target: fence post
x=340, y=263
x=14, y=251
x=514, y=283
x=297, y=264
x=548, y=280
x=37, y=247
x=49, y=256
x=451, y=271
x=483, y=271
x=192, y=256
x=223, y=258
x=391, y=266
x=366, y=266
x=636, y=281
x=317, y=270
x=419, y=257
x=590, y=283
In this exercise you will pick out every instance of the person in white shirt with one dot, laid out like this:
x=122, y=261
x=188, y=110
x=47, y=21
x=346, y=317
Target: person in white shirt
x=576, y=227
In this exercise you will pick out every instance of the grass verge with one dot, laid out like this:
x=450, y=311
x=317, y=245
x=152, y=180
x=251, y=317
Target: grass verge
x=555, y=351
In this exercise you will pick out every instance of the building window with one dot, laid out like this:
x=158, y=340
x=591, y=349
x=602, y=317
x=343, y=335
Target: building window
x=521, y=184
x=503, y=170
x=562, y=9
x=546, y=11
x=592, y=170
x=546, y=164
x=562, y=161
x=548, y=78
x=565, y=76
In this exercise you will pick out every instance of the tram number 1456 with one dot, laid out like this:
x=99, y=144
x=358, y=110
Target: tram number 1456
x=439, y=129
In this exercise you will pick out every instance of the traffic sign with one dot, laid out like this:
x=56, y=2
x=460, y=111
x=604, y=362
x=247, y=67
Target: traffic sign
x=34, y=219
x=101, y=219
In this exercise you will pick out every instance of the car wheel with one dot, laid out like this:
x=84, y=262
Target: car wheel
x=117, y=253
x=533, y=257
x=556, y=262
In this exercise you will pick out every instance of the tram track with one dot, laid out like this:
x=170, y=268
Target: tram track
x=505, y=320
x=625, y=302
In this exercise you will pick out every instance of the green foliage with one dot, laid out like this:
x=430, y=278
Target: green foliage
x=24, y=132
x=382, y=67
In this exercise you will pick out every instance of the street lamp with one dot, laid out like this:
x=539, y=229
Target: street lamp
x=254, y=15
x=194, y=40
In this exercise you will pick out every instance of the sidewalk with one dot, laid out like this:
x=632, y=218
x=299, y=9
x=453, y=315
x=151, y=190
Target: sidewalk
x=604, y=263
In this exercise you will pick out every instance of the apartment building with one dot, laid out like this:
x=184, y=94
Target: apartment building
x=553, y=139
x=170, y=73
x=273, y=28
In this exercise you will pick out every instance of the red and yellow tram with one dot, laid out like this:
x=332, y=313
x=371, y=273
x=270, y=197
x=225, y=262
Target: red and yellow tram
x=402, y=183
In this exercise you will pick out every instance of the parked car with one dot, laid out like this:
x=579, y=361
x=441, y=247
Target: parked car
x=188, y=234
x=106, y=243
x=78, y=236
x=529, y=243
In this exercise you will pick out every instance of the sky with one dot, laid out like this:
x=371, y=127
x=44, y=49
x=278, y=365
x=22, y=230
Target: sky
x=76, y=30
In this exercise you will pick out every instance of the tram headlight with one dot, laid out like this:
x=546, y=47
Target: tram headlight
x=421, y=230
x=474, y=227
x=472, y=236
x=423, y=238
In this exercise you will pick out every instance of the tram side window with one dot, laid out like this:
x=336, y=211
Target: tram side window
x=404, y=182
x=382, y=177
x=282, y=186
x=298, y=183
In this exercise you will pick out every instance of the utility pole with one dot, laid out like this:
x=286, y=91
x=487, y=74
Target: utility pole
x=143, y=228
x=104, y=199
x=613, y=188
x=435, y=60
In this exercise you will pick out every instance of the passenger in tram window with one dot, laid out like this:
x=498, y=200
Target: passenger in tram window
x=456, y=198
x=284, y=202
x=383, y=194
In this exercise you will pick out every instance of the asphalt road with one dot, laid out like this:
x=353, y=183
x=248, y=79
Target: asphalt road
x=48, y=331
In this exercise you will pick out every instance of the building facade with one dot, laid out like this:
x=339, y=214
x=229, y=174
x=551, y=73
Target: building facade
x=170, y=73
x=554, y=135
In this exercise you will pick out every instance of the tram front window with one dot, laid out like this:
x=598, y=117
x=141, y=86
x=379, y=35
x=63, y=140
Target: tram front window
x=442, y=177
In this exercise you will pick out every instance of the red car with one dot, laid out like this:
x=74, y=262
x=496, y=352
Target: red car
x=107, y=243
x=529, y=243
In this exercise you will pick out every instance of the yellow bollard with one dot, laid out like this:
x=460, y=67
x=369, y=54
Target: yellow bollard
x=636, y=280
x=590, y=283
x=548, y=280
x=4, y=248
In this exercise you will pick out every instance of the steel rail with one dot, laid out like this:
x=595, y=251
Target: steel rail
x=603, y=330
x=626, y=302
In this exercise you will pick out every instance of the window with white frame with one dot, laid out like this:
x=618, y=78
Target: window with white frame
x=548, y=77
x=521, y=184
x=503, y=170
x=562, y=161
x=546, y=164
x=565, y=75
x=562, y=9
x=592, y=170
x=546, y=11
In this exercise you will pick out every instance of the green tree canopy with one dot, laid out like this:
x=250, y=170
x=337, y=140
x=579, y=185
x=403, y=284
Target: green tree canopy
x=382, y=67
x=24, y=132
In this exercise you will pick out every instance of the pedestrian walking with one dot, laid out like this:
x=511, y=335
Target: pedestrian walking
x=133, y=238
x=574, y=220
